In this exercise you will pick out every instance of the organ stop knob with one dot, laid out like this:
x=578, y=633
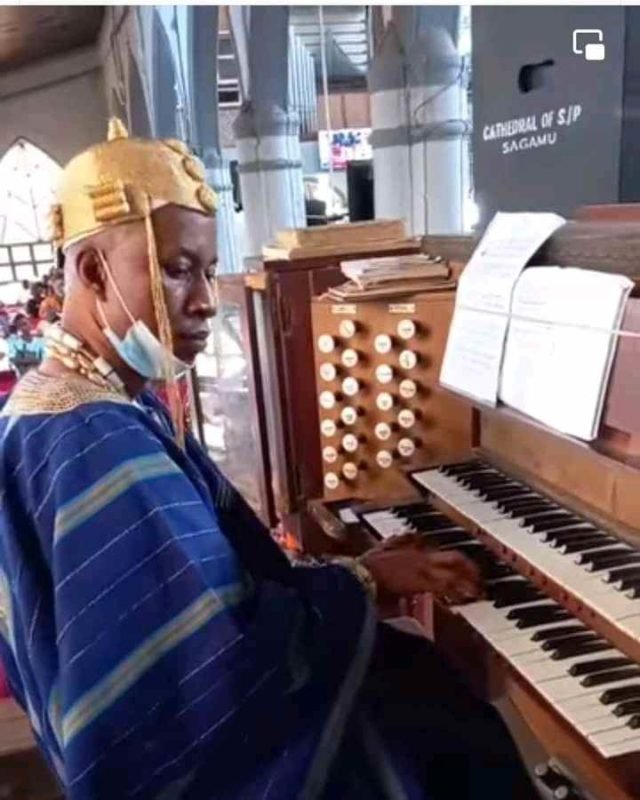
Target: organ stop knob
x=328, y=372
x=350, y=358
x=408, y=359
x=406, y=328
x=347, y=328
x=350, y=386
x=330, y=454
x=384, y=373
x=384, y=401
x=326, y=343
x=331, y=480
x=408, y=389
x=328, y=427
x=382, y=343
x=327, y=400
x=406, y=447
x=406, y=418
x=384, y=459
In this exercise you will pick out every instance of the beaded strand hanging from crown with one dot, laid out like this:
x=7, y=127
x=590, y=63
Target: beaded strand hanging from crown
x=126, y=179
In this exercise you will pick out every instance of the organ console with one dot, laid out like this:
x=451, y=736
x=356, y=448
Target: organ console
x=554, y=525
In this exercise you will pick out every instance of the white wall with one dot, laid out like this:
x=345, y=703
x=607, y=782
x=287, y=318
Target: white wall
x=57, y=104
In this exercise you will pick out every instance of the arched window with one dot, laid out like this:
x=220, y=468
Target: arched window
x=28, y=180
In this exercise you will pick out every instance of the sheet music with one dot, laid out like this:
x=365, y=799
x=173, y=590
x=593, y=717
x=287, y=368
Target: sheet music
x=557, y=369
x=473, y=356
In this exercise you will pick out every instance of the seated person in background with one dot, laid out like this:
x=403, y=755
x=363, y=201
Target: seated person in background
x=5, y=322
x=51, y=303
x=32, y=306
x=161, y=642
x=25, y=350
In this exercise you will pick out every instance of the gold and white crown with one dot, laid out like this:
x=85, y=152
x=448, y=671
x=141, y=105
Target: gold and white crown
x=122, y=180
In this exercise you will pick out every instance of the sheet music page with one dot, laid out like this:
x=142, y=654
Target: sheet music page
x=473, y=356
x=560, y=346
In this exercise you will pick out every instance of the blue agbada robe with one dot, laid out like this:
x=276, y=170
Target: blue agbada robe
x=161, y=643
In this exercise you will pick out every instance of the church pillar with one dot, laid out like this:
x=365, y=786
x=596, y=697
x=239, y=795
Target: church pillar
x=267, y=130
x=205, y=131
x=419, y=120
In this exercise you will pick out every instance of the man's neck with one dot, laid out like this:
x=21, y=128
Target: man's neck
x=92, y=337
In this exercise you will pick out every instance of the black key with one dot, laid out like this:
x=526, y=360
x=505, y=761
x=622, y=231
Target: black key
x=620, y=693
x=603, y=555
x=517, y=598
x=577, y=638
x=492, y=495
x=586, y=536
x=550, y=616
x=614, y=561
x=516, y=502
x=600, y=664
x=461, y=466
x=628, y=707
x=411, y=512
x=576, y=650
x=582, y=545
x=631, y=582
x=542, y=613
x=555, y=633
x=634, y=722
x=550, y=516
x=565, y=534
x=519, y=512
x=621, y=574
x=633, y=594
x=600, y=678
x=550, y=525
x=481, y=478
x=431, y=524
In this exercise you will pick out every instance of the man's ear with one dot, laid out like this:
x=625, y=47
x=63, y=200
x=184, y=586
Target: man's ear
x=91, y=272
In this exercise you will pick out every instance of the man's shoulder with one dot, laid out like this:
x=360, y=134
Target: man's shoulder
x=43, y=411
x=36, y=394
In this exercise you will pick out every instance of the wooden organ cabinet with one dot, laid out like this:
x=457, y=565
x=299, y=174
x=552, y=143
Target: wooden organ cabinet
x=554, y=525
x=254, y=395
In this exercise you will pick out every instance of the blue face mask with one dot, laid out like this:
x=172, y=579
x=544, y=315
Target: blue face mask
x=140, y=349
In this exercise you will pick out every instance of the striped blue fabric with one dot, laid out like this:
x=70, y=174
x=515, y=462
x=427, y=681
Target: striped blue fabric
x=160, y=642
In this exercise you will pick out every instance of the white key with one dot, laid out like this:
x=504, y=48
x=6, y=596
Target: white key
x=619, y=748
x=623, y=734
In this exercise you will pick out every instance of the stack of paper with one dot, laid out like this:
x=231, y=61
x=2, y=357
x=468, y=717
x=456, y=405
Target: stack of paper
x=560, y=346
x=475, y=344
x=371, y=272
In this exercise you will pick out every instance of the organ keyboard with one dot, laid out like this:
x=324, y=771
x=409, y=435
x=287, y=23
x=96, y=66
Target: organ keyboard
x=553, y=526
x=592, y=683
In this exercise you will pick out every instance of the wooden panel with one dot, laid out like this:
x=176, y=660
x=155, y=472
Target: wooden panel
x=442, y=429
x=607, y=488
x=608, y=246
x=295, y=447
x=30, y=33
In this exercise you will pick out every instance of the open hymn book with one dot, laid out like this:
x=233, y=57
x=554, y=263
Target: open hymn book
x=562, y=336
x=543, y=340
x=476, y=339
